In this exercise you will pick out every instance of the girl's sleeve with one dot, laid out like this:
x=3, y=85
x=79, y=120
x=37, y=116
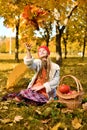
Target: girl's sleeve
x=31, y=63
x=28, y=61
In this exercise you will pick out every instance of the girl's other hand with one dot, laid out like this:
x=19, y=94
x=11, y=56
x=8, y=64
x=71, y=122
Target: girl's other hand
x=28, y=46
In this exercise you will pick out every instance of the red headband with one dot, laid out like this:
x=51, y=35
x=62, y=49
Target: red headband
x=46, y=48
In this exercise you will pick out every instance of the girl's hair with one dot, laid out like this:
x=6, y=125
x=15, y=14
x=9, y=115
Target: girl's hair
x=47, y=68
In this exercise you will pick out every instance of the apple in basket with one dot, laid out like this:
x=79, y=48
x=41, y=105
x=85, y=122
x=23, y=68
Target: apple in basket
x=72, y=92
x=64, y=88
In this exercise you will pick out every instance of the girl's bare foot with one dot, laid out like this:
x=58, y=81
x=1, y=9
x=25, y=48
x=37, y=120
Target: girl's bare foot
x=17, y=99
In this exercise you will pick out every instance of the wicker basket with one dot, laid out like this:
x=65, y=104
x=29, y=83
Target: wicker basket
x=73, y=100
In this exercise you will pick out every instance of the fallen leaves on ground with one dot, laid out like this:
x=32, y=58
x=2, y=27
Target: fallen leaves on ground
x=76, y=123
x=5, y=121
x=59, y=125
x=17, y=118
x=45, y=121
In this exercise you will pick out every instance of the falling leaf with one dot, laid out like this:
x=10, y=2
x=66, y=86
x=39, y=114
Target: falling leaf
x=16, y=75
x=76, y=123
x=17, y=118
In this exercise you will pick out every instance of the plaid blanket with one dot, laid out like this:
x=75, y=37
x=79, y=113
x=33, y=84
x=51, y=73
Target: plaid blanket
x=28, y=96
x=33, y=96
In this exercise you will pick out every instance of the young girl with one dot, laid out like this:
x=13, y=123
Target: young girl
x=42, y=87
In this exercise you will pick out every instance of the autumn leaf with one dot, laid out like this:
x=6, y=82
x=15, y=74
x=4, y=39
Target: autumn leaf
x=56, y=126
x=17, y=119
x=38, y=112
x=45, y=121
x=5, y=107
x=76, y=123
x=84, y=106
x=16, y=75
x=5, y=121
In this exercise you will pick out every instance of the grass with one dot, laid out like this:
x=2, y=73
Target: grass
x=49, y=116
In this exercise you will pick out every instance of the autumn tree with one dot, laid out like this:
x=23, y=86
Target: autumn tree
x=56, y=14
x=35, y=12
x=11, y=14
x=78, y=25
x=46, y=32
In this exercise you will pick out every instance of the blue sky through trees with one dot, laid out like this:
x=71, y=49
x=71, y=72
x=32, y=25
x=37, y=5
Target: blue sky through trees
x=4, y=31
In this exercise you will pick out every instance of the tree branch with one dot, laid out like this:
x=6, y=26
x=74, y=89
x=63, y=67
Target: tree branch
x=70, y=13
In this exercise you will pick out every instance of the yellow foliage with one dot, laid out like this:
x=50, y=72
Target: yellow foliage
x=16, y=75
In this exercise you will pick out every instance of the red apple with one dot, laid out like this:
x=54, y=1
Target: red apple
x=64, y=88
x=70, y=92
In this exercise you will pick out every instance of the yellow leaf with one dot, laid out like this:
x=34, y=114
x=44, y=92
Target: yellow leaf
x=16, y=75
x=76, y=123
x=38, y=112
x=5, y=107
x=45, y=121
x=56, y=126
x=17, y=118
x=5, y=121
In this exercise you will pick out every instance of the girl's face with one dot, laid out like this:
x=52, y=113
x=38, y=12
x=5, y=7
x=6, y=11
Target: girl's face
x=42, y=53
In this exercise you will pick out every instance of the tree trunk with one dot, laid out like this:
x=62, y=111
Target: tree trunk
x=58, y=45
x=47, y=37
x=84, y=45
x=59, y=32
x=17, y=42
x=47, y=44
x=65, y=45
x=58, y=50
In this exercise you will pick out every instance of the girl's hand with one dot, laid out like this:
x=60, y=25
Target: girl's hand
x=28, y=46
x=37, y=88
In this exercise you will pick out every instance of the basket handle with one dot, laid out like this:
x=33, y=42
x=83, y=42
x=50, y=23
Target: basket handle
x=79, y=86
